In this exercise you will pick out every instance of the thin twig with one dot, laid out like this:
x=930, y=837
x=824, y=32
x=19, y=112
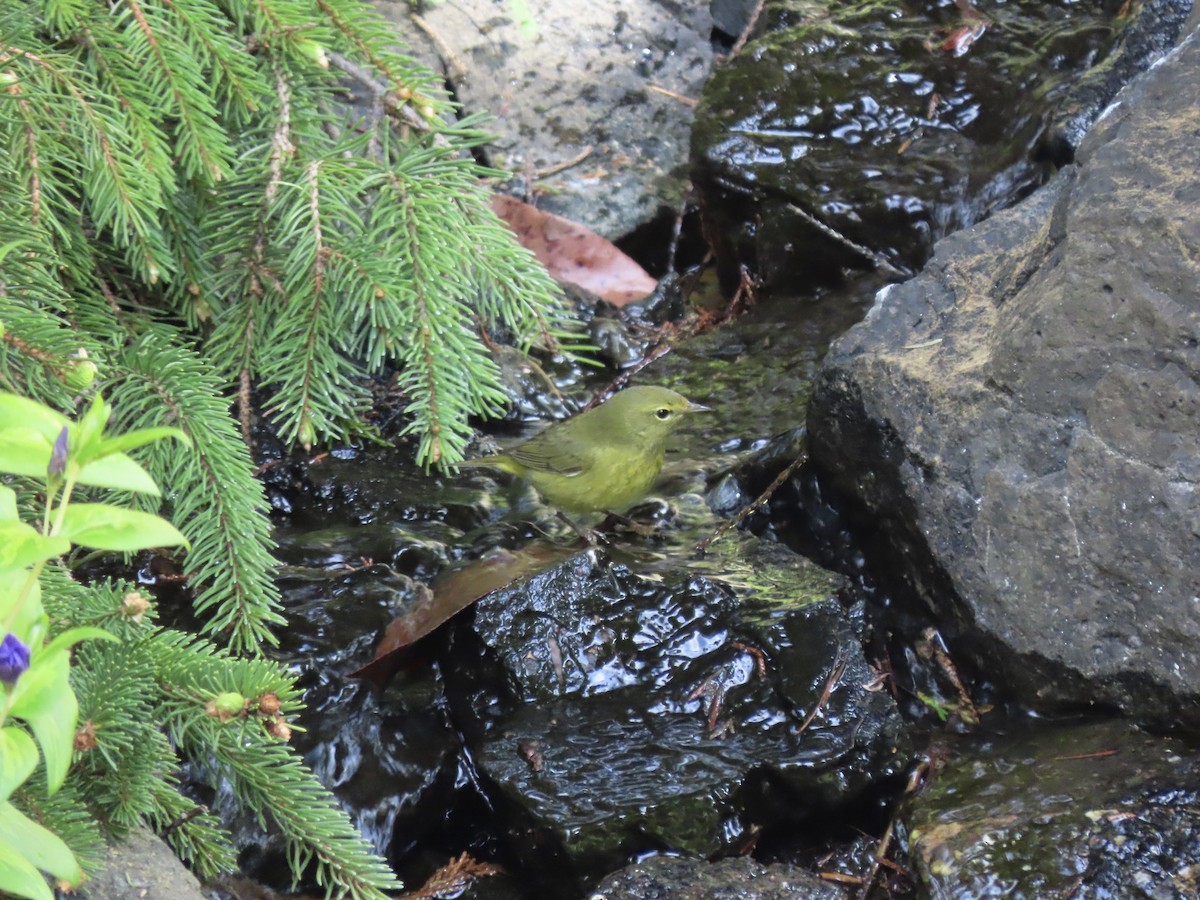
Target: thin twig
x=454, y=68
x=686, y=101
x=660, y=350
x=753, y=507
x=565, y=164
x=967, y=708
x=881, y=852
x=840, y=877
x=244, y=407
x=835, y=675
x=183, y=818
x=745, y=35
x=677, y=227
x=877, y=258
x=1099, y=754
x=391, y=102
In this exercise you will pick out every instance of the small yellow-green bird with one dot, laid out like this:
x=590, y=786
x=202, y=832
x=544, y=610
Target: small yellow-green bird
x=603, y=460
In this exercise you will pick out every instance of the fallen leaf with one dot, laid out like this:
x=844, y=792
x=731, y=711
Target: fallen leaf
x=573, y=253
x=962, y=38
x=450, y=595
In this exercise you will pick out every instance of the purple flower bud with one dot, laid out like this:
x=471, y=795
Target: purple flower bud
x=58, y=458
x=14, y=658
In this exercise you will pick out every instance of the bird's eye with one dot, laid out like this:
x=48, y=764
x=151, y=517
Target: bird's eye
x=663, y=413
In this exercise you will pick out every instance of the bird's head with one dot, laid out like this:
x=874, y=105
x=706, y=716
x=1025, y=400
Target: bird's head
x=652, y=412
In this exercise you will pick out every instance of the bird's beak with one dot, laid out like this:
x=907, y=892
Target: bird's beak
x=696, y=407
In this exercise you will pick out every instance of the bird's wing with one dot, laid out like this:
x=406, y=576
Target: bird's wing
x=556, y=452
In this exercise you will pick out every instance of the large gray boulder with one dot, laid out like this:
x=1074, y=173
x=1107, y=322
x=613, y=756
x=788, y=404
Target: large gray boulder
x=142, y=867
x=1022, y=420
x=591, y=102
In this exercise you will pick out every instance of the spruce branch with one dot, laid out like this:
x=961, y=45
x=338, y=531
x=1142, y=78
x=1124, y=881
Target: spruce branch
x=192, y=831
x=239, y=83
x=120, y=198
x=216, y=502
x=266, y=776
x=164, y=64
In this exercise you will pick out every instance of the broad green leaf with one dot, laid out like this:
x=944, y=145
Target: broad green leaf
x=106, y=527
x=20, y=412
x=119, y=472
x=8, y=504
x=38, y=844
x=18, y=759
x=87, y=435
x=29, y=622
x=44, y=700
x=24, y=451
x=22, y=545
x=123, y=443
x=20, y=878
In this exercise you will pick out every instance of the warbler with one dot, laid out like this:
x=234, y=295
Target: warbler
x=603, y=460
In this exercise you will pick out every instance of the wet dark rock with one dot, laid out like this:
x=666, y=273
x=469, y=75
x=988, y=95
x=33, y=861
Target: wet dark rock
x=441, y=762
x=382, y=486
x=1152, y=30
x=582, y=89
x=673, y=878
x=660, y=703
x=863, y=117
x=1018, y=424
x=730, y=17
x=1099, y=810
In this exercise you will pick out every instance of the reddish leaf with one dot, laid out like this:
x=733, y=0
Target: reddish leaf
x=573, y=253
x=962, y=38
x=452, y=593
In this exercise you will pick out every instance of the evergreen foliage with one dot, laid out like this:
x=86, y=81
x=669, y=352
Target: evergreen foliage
x=192, y=204
x=199, y=160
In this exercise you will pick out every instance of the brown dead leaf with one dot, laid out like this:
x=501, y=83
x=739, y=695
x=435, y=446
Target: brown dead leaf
x=450, y=594
x=573, y=253
x=962, y=38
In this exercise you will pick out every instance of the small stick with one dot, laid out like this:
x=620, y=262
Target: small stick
x=762, y=498
x=456, y=69
x=881, y=852
x=840, y=877
x=1099, y=754
x=677, y=227
x=565, y=164
x=745, y=35
x=877, y=258
x=835, y=675
x=969, y=712
x=687, y=101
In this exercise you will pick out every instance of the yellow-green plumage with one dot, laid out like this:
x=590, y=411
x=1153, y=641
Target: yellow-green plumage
x=605, y=459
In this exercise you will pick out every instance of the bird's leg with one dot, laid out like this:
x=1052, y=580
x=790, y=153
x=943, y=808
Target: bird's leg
x=593, y=537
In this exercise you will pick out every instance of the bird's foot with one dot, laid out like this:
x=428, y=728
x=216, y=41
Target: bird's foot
x=642, y=527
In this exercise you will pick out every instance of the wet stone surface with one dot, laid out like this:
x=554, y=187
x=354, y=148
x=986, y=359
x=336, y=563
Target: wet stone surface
x=638, y=696
x=635, y=697
x=1017, y=425
x=726, y=879
x=669, y=708
x=588, y=101
x=1089, y=810
x=893, y=124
